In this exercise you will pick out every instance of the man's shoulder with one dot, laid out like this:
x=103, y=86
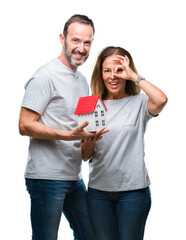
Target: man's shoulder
x=41, y=75
x=80, y=75
x=47, y=67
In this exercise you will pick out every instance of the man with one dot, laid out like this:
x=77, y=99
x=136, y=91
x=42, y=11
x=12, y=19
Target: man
x=53, y=171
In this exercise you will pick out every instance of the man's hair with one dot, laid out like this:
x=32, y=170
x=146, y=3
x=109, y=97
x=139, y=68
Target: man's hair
x=80, y=19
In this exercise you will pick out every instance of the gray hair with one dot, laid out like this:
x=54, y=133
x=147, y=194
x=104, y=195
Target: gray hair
x=78, y=18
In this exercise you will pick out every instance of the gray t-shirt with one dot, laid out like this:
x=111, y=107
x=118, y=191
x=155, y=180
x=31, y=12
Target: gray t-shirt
x=118, y=160
x=53, y=91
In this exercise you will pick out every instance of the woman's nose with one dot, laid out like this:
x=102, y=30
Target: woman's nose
x=112, y=75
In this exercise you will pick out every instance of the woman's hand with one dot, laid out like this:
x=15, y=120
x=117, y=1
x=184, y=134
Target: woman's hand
x=123, y=70
x=157, y=98
x=89, y=143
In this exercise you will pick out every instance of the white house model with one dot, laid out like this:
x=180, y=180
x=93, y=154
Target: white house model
x=93, y=110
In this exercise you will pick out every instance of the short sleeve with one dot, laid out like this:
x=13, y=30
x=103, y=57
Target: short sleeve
x=147, y=114
x=38, y=92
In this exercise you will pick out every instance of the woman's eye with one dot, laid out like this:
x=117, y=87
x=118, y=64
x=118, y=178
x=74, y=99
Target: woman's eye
x=119, y=70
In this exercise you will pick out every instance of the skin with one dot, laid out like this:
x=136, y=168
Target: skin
x=115, y=85
x=75, y=51
x=77, y=45
x=115, y=72
x=157, y=98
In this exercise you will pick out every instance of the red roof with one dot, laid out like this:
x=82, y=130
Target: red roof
x=87, y=104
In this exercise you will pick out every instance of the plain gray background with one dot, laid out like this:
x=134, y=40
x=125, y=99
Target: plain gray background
x=153, y=32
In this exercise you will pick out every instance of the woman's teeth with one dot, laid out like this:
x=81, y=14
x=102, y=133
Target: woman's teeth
x=113, y=83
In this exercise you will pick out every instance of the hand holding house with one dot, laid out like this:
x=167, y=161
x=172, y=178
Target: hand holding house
x=93, y=110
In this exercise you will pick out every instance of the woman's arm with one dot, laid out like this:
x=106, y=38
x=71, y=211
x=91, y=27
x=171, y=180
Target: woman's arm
x=157, y=98
x=88, y=146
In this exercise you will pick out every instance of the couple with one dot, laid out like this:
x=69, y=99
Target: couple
x=118, y=199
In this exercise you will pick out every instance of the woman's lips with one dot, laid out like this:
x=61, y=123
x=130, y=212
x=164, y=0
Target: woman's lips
x=113, y=84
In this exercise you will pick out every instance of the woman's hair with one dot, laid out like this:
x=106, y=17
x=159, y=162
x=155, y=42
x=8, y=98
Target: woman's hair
x=97, y=84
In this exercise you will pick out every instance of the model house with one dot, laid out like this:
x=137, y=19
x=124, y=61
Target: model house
x=93, y=110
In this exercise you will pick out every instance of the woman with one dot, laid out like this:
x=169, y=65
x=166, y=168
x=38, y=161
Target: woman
x=119, y=194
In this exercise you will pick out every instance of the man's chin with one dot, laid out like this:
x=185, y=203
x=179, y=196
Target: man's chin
x=77, y=63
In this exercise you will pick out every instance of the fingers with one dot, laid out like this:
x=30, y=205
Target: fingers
x=102, y=131
x=83, y=125
x=99, y=138
x=122, y=59
x=122, y=67
x=97, y=135
x=80, y=133
x=90, y=139
x=118, y=69
x=93, y=139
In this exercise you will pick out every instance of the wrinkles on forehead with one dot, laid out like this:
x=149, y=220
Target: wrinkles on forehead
x=80, y=30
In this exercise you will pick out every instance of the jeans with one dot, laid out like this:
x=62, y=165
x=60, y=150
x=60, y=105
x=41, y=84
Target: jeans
x=49, y=198
x=119, y=215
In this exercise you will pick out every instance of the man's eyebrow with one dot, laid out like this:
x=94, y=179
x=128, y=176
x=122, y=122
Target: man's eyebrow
x=88, y=41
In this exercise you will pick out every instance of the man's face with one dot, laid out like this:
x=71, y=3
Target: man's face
x=77, y=43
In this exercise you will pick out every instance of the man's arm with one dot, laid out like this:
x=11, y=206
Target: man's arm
x=30, y=126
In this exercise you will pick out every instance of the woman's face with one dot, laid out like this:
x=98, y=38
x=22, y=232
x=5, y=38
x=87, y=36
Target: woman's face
x=115, y=86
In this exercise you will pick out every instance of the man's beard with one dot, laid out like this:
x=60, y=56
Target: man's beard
x=69, y=56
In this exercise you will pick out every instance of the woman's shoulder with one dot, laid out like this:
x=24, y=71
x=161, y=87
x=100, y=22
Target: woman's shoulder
x=141, y=97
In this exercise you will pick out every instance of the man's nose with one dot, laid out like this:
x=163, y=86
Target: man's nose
x=81, y=48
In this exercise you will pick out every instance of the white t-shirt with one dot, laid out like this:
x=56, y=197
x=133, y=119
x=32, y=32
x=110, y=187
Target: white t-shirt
x=53, y=91
x=118, y=160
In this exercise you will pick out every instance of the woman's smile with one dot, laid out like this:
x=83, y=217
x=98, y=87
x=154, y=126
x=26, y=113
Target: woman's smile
x=115, y=86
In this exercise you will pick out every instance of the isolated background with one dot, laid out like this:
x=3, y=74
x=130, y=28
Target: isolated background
x=154, y=33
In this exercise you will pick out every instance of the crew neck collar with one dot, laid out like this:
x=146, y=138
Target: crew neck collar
x=119, y=99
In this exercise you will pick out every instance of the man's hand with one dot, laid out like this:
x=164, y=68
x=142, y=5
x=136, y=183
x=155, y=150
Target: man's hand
x=80, y=133
x=30, y=126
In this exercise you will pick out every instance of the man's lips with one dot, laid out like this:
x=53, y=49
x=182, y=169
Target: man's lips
x=78, y=54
